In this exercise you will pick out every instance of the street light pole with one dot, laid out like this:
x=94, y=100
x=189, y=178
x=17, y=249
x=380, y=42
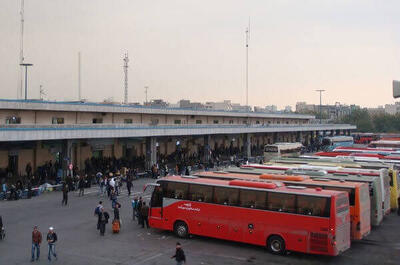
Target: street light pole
x=26, y=78
x=320, y=104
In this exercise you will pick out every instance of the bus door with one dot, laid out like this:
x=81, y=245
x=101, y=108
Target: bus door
x=152, y=195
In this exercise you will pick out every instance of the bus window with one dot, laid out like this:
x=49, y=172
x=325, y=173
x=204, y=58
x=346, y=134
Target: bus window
x=156, y=198
x=391, y=178
x=253, y=199
x=314, y=206
x=177, y=190
x=226, y=196
x=351, y=192
x=281, y=202
x=200, y=193
x=342, y=204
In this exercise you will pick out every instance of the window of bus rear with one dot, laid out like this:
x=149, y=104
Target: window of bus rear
x=342, y=204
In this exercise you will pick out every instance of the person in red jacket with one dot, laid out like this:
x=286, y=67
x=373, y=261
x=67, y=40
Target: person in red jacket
x=36, y=241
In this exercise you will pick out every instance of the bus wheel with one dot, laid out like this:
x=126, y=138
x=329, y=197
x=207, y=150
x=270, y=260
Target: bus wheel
x=276, y=245
x=181, y=229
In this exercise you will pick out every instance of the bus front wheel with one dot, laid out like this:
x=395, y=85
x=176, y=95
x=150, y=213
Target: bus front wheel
x=181, y=229
x=276, y=245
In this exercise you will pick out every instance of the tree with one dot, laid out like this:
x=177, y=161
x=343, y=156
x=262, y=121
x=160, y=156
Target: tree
x=360, y=118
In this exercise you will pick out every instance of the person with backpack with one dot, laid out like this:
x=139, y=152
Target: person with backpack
x=134, y=207
x=51, y=240
x=97, y=211
x=179, y=255
x=103, y=220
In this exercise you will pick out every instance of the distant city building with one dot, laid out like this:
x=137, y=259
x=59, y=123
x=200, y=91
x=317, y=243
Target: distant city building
x=392, y=109
x=267, y=109
x=330, y=112
x=376, y=111
x=186, y=104
x=157, y=103
x=288, y=109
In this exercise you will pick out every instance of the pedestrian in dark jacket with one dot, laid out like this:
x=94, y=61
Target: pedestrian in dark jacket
x=134, y=207
x=65, y=190
x=179, y=255
x=116, y=211
x=129, y=184
x=145, y=214
x=51, y=240
x=81, y=186
x=139, y=210
x=103, y=220
x=36, y=241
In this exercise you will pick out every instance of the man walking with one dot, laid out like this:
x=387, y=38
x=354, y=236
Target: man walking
x=65, y=190
x=103, y=220
x=145, y=215
x=139, y=210
x=81, y=186
x=179, y=255
x=51, y=240
x=36, y=241
x=129, y=184
x=134, y=207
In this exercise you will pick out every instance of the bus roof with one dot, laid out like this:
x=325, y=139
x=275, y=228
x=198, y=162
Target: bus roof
x=248, y=185
x=277, y=177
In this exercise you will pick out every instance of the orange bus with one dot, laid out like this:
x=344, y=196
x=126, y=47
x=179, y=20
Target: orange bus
x=360, y=209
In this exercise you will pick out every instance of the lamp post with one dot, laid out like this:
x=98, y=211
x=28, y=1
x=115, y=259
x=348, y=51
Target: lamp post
x=320, y=104
x=26, y=78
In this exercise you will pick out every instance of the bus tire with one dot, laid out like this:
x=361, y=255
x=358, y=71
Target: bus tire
x=276, y=245
x=181, y=229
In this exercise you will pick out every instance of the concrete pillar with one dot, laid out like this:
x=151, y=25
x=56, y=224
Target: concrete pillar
x=207, y=147
x=151, y=152
x=275, y=137
x=247, y=144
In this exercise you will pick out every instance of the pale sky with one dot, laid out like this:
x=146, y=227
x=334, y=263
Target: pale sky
x=186, y=49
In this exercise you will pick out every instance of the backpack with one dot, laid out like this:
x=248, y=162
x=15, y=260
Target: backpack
x=97, y=210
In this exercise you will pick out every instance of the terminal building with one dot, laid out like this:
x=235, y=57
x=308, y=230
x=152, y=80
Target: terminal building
x=33, y=131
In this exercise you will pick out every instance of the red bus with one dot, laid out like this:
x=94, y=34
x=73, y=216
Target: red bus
x=261, y=213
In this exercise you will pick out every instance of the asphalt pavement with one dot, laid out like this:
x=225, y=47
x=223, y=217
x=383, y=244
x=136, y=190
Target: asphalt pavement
x=80, y=242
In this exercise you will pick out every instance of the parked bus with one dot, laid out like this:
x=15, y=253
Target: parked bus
x=261, y=213
x=382, y=173
x=393, y=174
x=374, y=183
x=330, y=143
x=385, y=143
x=281, y=150
x=360, y=206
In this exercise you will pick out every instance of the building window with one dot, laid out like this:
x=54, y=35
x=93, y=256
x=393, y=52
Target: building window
x=177, y=121
x=257, y=122
x=97, y=120
x=13, y=120
x=128, y=121
x=216, y=121
x=269, y=122
x=278, y=122
x=198, y=121
x=230, y=121
x=56, y=120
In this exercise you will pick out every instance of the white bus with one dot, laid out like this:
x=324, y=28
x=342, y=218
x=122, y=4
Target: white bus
x=281, y=150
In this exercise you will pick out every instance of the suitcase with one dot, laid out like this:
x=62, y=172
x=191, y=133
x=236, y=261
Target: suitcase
x=116, y=226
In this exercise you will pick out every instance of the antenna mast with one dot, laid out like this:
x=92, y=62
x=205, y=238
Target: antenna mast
x=79, y=76
x=126, y=60
x=21, y=53
x=247, y=64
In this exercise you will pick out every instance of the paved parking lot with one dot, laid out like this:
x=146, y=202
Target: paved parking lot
x=80, y=243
